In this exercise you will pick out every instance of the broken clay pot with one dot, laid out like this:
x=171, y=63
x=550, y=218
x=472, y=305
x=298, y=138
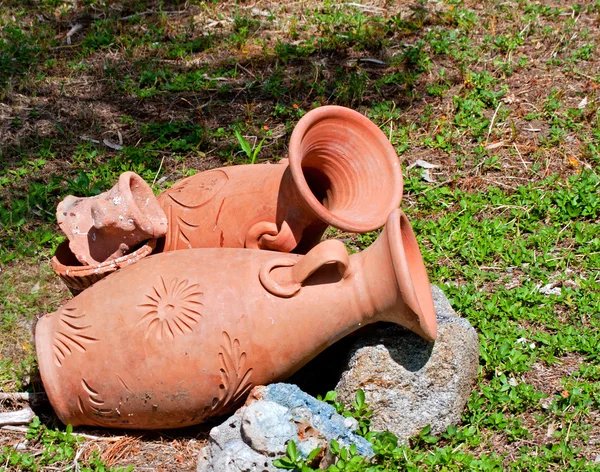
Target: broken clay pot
x=77, y=277
x=111, y=224
x=183, y=336
x=342, y=171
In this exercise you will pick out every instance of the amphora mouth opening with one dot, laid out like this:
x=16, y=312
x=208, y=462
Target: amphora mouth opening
x=345, y=169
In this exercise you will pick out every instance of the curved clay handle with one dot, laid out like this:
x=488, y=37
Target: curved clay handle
x=266, y=235
x=289, y=280
x=327, y=252
x=257, y=231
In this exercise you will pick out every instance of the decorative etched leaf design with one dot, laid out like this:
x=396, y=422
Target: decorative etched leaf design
x=93, y=408
x=235, y=377
x=71, y=335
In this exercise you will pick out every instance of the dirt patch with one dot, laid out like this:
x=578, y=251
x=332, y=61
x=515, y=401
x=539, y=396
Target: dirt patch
x=547, y=378
x=150, y=452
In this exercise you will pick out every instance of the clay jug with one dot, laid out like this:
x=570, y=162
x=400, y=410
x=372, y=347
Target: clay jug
x=112, y=224
x=342, y=171
x=182, y=336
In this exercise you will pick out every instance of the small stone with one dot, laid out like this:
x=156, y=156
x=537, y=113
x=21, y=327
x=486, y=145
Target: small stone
x=302, y=415
x=550, y=289
x=22, y=446
x=351, y=424
x=267, y=427
x=237, y=456
x=308, y=445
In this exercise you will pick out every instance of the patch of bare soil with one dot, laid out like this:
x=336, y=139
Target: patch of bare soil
x=547, y=378
x=151, y=452
x=544, y=433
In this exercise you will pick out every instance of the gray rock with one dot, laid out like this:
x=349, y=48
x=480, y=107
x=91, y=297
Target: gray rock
x=442, y=305
x=235, y=456
x=267, y=427
x=258, y=432
x=321, y=416
x=409, y=382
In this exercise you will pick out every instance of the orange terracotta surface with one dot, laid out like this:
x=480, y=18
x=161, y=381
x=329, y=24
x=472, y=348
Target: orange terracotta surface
x=182, y=336
x=77, y=277
x=113, y=223
x=342, y=171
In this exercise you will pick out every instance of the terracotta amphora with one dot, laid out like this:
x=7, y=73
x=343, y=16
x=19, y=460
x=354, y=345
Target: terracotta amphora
x=112, y=224
x=182, y=336
x=342, y=171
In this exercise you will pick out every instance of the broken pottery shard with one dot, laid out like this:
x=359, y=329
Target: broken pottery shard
x=113, y=223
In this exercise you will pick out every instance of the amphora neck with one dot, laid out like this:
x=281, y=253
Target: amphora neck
x=391, y=280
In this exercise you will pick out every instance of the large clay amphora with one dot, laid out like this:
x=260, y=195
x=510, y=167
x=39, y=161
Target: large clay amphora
x=342, y=171
x=182, y=336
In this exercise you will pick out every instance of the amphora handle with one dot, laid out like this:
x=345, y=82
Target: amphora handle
x=266, y=235
x=288, y=281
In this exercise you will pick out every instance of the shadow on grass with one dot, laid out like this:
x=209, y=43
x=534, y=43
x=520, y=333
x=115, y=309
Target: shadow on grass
x=127, y=60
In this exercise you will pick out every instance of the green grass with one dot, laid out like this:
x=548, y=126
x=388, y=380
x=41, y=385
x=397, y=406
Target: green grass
x=57, y=449
x=492, y=252
x=504, y=97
